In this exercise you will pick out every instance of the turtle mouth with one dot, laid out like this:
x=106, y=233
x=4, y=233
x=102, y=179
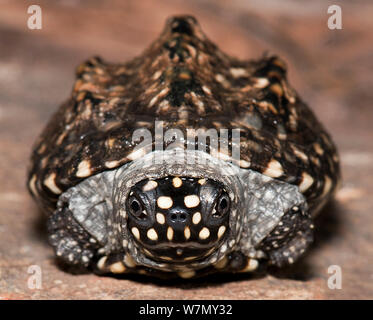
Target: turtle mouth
x=179, y=253
x=190, y=245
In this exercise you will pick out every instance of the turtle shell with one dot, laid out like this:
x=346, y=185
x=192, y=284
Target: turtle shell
x=184, y=80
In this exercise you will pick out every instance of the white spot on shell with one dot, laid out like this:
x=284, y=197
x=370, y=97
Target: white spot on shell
x=50, y=182
x=164, y=202
x=206, y=90
x=152, y=101
x=261, y=82
x=220, y=78
x=300, y=154
x=111, y=164
x=152, y=234
x=202, y=181
x=307, y=181
x=196, y=218
x=157, y=74
x=318, y=149
x=149, y=186
x=327, y=186
x=32, y=184
x=177, y=182
x=84, y=169
x=136, y=154
x=204, y=233
x=244, y=164
x=191, y=201
x=160, y=218
x=136, y=232
x=238, y=72
x=274, y=169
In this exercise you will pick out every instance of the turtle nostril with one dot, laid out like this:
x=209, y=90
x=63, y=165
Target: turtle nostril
x=178, y=217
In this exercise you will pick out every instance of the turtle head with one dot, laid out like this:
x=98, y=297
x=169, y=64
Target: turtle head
x=178, y=219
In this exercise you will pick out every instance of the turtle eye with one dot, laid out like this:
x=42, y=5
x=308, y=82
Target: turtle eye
x=222, y=206
x=136, y=208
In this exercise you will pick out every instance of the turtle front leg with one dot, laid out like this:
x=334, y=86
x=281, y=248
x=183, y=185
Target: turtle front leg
x=289, y=239
x=72, y=244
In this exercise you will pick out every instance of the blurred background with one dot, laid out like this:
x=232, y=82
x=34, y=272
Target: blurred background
x=330, y=69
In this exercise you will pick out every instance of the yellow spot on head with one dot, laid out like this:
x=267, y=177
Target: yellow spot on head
x=170, y=233
x=152, y=234
x=191, y=201
x=136, y=232
x=160, y=218
x=177, y=182
x=196, y=218
x=187, y=233
x=204, y=233
x=164, y=202
x=221, y=231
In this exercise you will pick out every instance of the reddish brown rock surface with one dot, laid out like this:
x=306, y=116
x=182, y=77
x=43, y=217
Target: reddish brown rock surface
x=332, y=70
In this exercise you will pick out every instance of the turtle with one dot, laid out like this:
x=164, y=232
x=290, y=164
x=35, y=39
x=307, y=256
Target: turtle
x=184, y=161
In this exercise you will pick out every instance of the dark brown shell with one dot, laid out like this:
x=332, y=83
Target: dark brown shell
x=186, y=81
